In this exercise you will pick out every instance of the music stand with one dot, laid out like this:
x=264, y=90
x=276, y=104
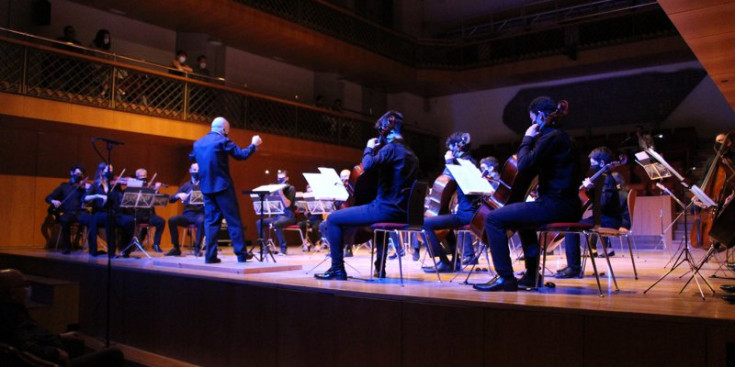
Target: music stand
x=196, y=197
x=270, y=202
x=138, y=198
x=684, y=253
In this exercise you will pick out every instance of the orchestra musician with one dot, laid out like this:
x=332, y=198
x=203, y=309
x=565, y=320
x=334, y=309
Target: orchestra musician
x=549, y=152
x=348, y=237
x=101, y=196
x=281, y=221
x=212, y=153
x=489, y=168
x=310, y=227
x=397, y=168
x=611, y=212
x=148, y=215
x=193, y=214
x=66, y=202
x=458, y=146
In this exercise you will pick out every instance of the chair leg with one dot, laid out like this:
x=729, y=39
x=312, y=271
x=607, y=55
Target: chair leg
x=543, y=262
x=592, y=260
x=426, y=240
x=632, y=259
x=398, y=253
x=607, y=258
x=372, y=251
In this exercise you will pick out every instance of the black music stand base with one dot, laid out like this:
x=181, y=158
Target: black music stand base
x=265, y=251
x=685, y=256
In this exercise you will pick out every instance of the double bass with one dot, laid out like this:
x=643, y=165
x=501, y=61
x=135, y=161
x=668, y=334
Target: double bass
x=713, y=185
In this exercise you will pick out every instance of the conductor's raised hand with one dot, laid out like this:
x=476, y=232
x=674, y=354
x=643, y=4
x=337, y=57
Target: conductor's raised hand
x=257, y=140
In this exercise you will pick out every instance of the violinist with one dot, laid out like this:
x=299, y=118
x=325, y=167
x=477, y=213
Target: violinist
x=458, y=147
x=193, y=214
x=611, y=212
x=148, y=215
x=397, y=167
x=105, y=197
x=551, y=154
x=66, y=203
x=279, y=222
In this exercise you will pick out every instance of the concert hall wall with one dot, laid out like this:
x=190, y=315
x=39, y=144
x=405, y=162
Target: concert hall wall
x=37, y=152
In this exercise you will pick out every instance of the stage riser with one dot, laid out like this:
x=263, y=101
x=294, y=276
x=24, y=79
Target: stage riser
x=216, y=322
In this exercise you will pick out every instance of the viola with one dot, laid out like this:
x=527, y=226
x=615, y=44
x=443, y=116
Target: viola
x=583, y=195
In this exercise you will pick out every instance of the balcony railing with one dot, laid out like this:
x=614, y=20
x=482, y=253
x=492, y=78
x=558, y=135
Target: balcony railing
x=50, y=70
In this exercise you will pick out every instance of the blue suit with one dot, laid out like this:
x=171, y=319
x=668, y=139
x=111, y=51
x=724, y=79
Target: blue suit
x=212, y=153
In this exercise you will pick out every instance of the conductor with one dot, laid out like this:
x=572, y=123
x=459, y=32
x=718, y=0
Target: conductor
x=212, y=153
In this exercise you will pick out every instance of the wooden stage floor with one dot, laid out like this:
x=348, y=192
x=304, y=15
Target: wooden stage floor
x=290, y=271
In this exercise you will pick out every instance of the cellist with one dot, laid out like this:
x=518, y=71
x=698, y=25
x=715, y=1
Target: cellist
x=397, y=167
x=551, y=154
x=458, y=147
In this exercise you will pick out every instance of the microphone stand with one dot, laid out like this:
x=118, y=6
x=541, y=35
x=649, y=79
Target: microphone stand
x=110, y=228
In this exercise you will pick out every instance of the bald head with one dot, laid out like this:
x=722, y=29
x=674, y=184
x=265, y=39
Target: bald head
x=720, y=138
x=221, y=125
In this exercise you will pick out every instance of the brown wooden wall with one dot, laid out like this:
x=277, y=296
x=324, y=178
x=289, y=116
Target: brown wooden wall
x=41, y=139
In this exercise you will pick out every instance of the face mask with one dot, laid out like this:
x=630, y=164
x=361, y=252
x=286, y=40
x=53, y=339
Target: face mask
x=29, y=293
x=76, y=178
x=203, y=65
x=182, y=59
x=194, y=176
x=106, y=41
x=282, y=180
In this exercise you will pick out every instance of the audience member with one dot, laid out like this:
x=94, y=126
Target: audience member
x=19, y=330
x=179, y=63
x=201, y=66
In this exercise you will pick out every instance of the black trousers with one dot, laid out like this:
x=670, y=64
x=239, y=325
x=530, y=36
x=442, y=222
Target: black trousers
x=185, y=219
x=66, y=220
x=525, y=217
x=219, y=205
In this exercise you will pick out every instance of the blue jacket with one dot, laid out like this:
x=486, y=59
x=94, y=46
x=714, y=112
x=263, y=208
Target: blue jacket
x=212, y=154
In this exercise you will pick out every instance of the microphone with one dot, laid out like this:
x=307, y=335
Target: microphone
x=106, y=140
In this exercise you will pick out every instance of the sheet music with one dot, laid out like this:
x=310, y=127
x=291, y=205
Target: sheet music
x=661, y=160
x=269, y=188
x=654, y=169
x=326, y=185
x=694, y=189
x=470, y=179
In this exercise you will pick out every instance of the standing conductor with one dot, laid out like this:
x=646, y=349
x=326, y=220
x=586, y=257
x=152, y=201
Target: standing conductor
x=220, y=201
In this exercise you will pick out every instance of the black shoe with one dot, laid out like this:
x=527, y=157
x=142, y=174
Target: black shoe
x=98, y=253
x=157, y=248
x=469, y=260
x=215, y=260
x=567, y=273
x=66, y=252
x=609, y=254
x=442, y=267
x=526, y=281
x=173, y=252
x=241, y=258
x=334, y=273
x=379, y=274
x=498, y=284
x=197, y=252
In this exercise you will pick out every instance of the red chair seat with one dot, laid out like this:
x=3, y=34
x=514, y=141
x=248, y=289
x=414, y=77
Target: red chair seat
x=564, y=226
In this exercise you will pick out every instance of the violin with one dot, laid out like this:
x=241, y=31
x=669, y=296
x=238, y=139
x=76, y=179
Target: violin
x=55, y=211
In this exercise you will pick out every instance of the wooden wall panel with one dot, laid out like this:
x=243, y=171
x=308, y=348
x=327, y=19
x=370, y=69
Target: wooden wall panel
x=368, y=332
x=528, y=338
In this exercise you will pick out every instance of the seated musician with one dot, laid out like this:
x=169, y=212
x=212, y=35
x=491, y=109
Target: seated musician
x=610, y=211
x=458, y=147
x=397, y=168
x=279, y=222
x=66, y=201
x=193, y=213
x=148, y=216
x=551, y=154
x=105, y=197
x=489, y=168
x=310, y=227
